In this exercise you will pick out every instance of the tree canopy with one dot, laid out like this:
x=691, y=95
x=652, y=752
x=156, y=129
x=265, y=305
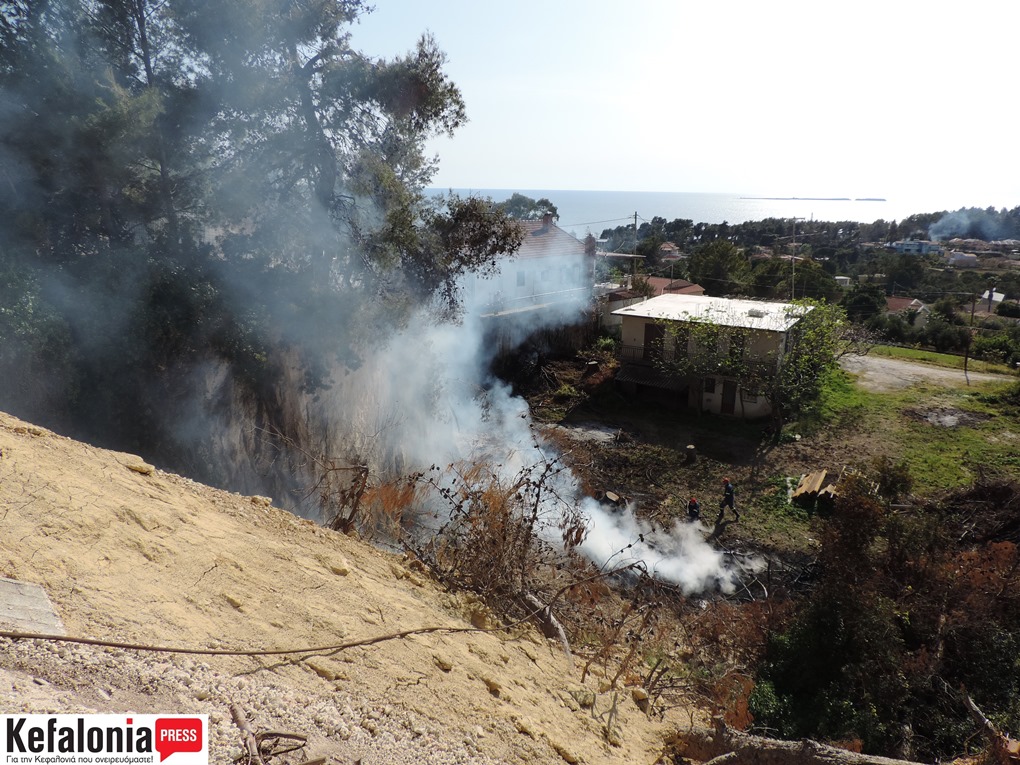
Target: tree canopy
x=522, y=207
x=223, y=181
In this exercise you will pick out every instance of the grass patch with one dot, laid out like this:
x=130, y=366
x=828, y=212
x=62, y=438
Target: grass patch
x=942, y=457
x=947, y=360
x=772, y=519
x=841, y=403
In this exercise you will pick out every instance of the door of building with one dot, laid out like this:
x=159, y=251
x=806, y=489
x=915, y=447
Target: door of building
x=729, y=397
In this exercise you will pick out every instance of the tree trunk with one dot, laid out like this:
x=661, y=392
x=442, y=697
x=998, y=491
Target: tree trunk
x=722, y=746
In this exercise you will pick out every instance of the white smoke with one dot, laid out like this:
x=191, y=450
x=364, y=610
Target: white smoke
x=425, y=397
x=680, y=554
x=446, y=408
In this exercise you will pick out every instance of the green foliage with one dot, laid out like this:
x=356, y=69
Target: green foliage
x=907, y=610
x=1010, y=310
x=814, y=347
x=720, y=267
x=947, y=309
x=522, y=207
x=566, y=391
x=36, y=352
x=864, y=302
x=840, y=403
x=207, y=183
x=893, y=478
x=996, y=348
x=943, y=335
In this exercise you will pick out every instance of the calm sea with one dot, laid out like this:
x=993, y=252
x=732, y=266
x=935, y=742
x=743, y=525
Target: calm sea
x=594, y=211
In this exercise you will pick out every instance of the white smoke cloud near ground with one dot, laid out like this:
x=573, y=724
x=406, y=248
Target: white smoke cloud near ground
x=429, y=399
x=679, y=554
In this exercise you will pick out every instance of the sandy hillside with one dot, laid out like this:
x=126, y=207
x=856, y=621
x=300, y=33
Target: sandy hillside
x=150, y=557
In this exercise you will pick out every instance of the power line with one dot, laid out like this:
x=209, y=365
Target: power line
x=592, y=222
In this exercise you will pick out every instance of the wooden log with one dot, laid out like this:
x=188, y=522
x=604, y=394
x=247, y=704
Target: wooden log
x=810, y=484
x=722, y=746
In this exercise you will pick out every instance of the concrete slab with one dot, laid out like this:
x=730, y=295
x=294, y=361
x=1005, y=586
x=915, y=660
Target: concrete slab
x=25, y=607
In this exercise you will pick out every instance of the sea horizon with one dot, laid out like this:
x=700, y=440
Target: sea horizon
x=583, y=212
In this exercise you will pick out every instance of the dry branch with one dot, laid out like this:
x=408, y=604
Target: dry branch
x=1003, y=748
x=723, y=746
x=248, y=741
x=548, y=623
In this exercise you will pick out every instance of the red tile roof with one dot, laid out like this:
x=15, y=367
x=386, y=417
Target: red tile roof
x=543, y=240
x=664, y=286
x=897, y=304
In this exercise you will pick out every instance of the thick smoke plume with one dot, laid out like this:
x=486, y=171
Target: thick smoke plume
x=428, y=398
x=972, y=223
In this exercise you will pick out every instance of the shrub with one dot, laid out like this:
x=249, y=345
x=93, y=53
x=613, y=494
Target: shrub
x=1010, y=310
x=995, y=347
x=893, y=478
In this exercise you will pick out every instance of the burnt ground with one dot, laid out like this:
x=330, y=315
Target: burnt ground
x=639, y=450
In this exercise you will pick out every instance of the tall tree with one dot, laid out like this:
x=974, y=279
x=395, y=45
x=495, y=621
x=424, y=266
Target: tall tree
x=523, y=207
x=720, y=267
x=226, y=181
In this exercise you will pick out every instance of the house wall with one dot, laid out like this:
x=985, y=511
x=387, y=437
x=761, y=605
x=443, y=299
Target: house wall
x=746, y=405
x=614, y=324
x=763, y=346
x=537, y=281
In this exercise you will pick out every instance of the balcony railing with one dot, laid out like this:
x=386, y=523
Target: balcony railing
x=644, y=356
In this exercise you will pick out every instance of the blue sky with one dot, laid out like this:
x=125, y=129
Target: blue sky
x=784, y=98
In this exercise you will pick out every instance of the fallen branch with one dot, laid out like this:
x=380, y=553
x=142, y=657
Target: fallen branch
x=1002, y=747
x=548, y=623
x=248, y=741
x=723, y=746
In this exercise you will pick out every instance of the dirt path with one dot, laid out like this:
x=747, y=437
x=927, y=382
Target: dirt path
x=879, y=373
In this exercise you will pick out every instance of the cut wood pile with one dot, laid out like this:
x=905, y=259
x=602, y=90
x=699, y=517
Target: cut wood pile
x=810, y=489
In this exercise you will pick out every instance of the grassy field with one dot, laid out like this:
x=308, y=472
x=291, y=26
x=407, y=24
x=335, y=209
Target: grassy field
x=938, y=359
x=947, y=435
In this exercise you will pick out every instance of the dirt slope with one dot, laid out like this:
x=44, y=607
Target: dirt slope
x=150, y=557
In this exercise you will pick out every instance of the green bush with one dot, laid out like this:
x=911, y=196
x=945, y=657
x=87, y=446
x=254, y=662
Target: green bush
x=1010, y=310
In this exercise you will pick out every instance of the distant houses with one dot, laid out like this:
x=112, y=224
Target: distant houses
x=916, y=247
x=654, y=286
x=962, y=260
x=552, y=268
x=912, y=310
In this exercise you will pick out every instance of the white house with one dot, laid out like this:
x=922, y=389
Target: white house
x=963, y=260
x=916, y=247
x=906, y=307
x=759, y=336
x=992, y=297
x=551, y=272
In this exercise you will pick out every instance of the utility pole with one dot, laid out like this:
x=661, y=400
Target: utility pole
x=635, y=231
x=793, y=260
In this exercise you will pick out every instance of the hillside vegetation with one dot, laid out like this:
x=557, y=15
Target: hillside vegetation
x=879, y=610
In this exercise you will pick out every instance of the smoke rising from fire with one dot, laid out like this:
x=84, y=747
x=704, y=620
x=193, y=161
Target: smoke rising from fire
x=429, y=398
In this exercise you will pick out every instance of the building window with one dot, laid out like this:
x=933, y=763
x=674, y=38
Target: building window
x=709, y=385
x=749, y=398
x=521, y=278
